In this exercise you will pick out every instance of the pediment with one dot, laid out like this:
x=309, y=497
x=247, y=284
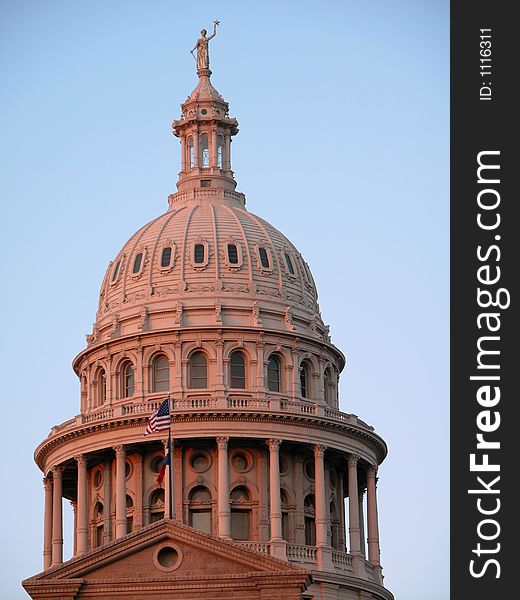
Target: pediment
x=164, y=551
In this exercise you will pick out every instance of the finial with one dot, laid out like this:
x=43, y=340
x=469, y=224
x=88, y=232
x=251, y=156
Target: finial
x=202, y=48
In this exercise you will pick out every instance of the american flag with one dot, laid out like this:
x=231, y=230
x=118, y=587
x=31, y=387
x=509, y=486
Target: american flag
x=160, y=419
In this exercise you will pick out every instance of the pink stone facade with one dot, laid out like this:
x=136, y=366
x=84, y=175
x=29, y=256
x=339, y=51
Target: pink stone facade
x=213, y=306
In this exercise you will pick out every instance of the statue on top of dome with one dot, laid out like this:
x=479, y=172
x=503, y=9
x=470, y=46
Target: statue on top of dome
x=202, y=47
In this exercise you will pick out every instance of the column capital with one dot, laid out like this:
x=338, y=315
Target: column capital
x=57, y=471
x=120, y=451
x=274, y=444
x=81, y=459
x=74, y=505
x=47, y=483
x=222, y=443
x=372, y=472
x=319, y=450
x=353, y=459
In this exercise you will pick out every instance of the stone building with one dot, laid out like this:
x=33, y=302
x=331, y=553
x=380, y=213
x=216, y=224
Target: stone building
x=274, y=488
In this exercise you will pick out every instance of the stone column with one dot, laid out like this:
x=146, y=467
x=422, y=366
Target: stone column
x=226, y=159
x=324, y=551
x=120, y=491
x=82, y=510
x=278, y=544
x=74, y=505
x=107, y=492
x=196, y=158
x=362, y=523
x=57, y=516
x=214, y=151
x=183, y=154
x=373, y=528
x=47, y=524
x=224, y=515
x=353, y=505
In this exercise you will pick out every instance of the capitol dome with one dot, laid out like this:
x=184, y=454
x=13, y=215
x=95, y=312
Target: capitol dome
x=207, y=260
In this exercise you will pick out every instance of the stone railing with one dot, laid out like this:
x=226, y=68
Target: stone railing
x=342, y=561
x=301, y=554
x=262, y=547
x=198, y=403
x=248, y=403
x=202, y=193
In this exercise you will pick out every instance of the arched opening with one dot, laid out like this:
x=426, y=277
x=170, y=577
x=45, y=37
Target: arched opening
x=160, y=374
x=273, y=374
x=198, y=371
x=156, y=505
x=191, y=152
x=127, y=380
x=199, y=511
x=220, y=146
x=305, y=380
x=204, y=150
x=240, y=499
x=309, y=510
x=237, y=371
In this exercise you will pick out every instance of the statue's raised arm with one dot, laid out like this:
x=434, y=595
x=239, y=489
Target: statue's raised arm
x=202, y=47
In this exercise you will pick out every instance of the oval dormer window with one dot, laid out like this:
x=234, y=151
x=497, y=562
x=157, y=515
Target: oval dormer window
x=138, y=263
x=166, y=257
x=288, y=262
x=232, y=251
x=198, y=255
x=115, y=272
x=264, y=257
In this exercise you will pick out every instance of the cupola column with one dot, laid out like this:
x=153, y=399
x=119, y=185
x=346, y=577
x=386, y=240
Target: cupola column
x=47, y=524
x=362, y=523
x=278, y=544
x=57, y=517
x=324, y=551
x=372, y=521
x=226, y=159
x=120, y=491
x=224, y=517
x=214, y=151
x=82, y=513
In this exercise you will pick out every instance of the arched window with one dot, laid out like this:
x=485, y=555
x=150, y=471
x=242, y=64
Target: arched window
x=329, y=387
x=129, y=514
x=198, y=371
x=99, y=528
x=101, y=387
x=127, y=380
x=305, y=380
x=240, y=513
x=166, y=257
x=138, y=262
x=310, y=520
x=273, y=374
x=160, y=374
x=334, y=527
x=204, y=150
x=285, y=515
x=200, y=509
x=237, y=371
x=157, y=505
x=191, y=153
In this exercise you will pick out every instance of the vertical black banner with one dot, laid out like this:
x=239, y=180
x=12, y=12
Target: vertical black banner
x=485, y=252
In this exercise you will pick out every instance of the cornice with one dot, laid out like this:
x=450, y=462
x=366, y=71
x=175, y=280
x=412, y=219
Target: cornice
x=371, y=439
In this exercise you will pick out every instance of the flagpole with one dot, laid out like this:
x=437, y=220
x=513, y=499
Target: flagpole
x=170, y=470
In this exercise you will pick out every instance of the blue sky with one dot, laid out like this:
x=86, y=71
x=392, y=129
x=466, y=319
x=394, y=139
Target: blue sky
x=343, y=145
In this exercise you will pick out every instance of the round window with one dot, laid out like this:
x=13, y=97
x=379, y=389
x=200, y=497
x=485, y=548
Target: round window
x=128, y=469
x=204, y=111
x=200, y=462
x=167, y=557
x=239, y=461
x=284, y=465
x=309, y=469
x=156, y=465
x=98, y=477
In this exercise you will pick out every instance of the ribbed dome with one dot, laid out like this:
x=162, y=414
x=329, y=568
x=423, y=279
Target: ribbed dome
x=208, y=254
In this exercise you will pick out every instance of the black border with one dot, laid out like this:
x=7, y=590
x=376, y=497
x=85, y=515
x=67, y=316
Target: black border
x=481, y=125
